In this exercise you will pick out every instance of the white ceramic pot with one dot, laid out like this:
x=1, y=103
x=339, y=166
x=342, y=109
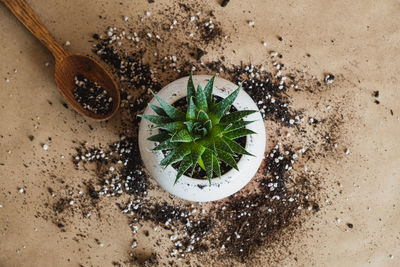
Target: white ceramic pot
x=195, y=189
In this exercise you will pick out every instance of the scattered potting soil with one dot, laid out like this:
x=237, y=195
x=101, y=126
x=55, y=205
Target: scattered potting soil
x=92, y=96
x=119, y=166
x=224, y=3
x=144, y=57
x=269, y=93
x=235, y=228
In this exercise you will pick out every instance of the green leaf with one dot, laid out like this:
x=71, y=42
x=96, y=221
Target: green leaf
x=209, y=143
x=172, y=126
x=159, y=137
x=216, y=167
x=189, y=126
x=198, y=130
x=183, y=167
x=220, y=109
x=237, y=115
x=208, y=125
x=155, y=118
x=171, y=111
x=158, y=110
x=237, y=148
x=196, y=137
x=164, y=161
x=236, y=125
x=202, y=116
x=182, y=136
x=208, y=90
x=175, y=156
x=165, y=146
x=221, y=145
x=191, y=111
x=201, y=100
x=201, y=164
x=207, y=158
x=190, y=88
x=238, y=133
x=227, y=158
x=196, y=153
x=203, y=132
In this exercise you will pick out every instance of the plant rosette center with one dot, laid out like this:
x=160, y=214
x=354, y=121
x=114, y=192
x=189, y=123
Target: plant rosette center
x=204, y=134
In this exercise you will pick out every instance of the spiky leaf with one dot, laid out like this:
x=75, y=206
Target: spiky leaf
x=190, y=88
x=235, y=126
x=225, y=104
x=189, y=126
x=156, y=119
x=201, y=100
x=201, y=164
x=216, y=167
x=191, y=112
x=172, y=126
x=183, y=166
x=161, y=137
x=221, y=145
x=182, y=136
x=202, y=116
x=171, y=111
x=207, y=158
x=227, y=158
x=165, y=161
x=158, y=110
x=208, y=90
x=208, y=125
x=209, y=143
x=237, y=148
x=235, y=116
x=166, y=145
x=175, y=156
x=197, y=152
x=238, y=133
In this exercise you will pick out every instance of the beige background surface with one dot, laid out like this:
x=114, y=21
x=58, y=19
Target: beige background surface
x=357, y=40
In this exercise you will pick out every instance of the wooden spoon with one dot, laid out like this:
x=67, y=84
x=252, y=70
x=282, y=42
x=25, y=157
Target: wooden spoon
x=67, y=65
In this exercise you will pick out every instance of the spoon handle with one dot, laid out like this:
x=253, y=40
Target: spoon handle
x=24, y=13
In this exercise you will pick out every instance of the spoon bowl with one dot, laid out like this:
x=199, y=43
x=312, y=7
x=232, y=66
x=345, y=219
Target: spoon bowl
x=67, y=65
x=70, y=66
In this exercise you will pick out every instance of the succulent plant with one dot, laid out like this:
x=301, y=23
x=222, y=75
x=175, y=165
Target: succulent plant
x=204, y=134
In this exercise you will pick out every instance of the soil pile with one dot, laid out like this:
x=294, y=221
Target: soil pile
x=146, y=56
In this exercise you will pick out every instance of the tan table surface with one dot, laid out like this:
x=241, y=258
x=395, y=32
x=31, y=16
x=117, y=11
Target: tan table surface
x=357, y=40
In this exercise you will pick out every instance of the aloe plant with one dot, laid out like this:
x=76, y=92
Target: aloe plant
x=203, y=134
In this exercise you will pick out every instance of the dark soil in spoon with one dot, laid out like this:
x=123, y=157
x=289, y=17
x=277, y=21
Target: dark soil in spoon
x=91, y=96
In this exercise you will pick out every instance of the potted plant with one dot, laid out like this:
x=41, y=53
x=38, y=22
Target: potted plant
x=189, y=143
